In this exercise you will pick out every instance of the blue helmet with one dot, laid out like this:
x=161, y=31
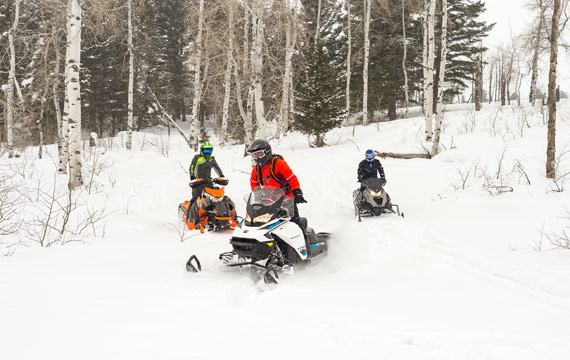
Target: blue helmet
x=369, y=154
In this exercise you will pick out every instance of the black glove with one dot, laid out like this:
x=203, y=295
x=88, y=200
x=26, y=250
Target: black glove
x=299, y=199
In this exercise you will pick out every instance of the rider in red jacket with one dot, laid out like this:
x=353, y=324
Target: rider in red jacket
x=282, y=175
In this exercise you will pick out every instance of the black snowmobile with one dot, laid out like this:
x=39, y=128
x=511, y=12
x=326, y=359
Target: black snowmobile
x=372, y=200
x=268, y=240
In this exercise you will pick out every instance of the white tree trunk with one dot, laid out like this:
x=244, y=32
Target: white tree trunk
x=257, y=67
x=551, y=133
x=64, y=156
x=11, y=80
x=73, y=62
x=429, y=58
x=348, y=58
x=318, y=30
x=535, y=58
x=194, y=126
x=228, y=77
x=246, y=65
x=284, y=111
x=131, y=79
x=404, y=59
x=293, y=44
x=367, y=4
x=442, y=64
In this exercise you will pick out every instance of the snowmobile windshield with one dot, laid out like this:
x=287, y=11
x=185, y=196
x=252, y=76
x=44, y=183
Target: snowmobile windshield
x=267, y=203
x=374, y=184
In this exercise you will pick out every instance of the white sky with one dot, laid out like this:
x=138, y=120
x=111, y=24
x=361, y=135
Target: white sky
x=512, y=15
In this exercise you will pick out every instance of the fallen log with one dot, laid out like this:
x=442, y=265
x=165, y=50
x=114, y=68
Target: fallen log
x=384, y=155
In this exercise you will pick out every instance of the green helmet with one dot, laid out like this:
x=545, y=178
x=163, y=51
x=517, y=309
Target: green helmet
x=206, y=145
x=206, y=149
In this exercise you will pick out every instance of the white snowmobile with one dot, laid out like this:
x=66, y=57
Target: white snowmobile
x=268, y=240
x=372, y=200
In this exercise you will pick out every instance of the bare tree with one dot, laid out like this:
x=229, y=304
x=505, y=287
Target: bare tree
x=551, y=147
x=442, y=64
x=478, y=82
x=428, y=64
x=197, y=80
x=284, y=111
x=541, y=5
x=367, y=5
x=11, y=81
x=73, y=91
x=404, y=58
x=348, y=56
x=228, y=75
x=131, y=77
x=257, y=67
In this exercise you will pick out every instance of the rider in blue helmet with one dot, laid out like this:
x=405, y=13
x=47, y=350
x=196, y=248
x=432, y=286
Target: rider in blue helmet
x=370, y=167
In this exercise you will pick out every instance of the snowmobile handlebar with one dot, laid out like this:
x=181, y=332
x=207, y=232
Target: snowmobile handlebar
x=201, y=181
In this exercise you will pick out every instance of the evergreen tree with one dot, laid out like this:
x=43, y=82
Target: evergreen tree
x=386, y=76
x=320, y=90
x=464, y=43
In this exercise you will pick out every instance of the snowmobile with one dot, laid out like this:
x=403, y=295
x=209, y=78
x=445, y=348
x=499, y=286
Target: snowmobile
x=372, y=200
x=212, y=210
x=267, y=239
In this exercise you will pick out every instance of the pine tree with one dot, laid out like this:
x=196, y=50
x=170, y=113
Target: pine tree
x=464, y=44
x=320, y=102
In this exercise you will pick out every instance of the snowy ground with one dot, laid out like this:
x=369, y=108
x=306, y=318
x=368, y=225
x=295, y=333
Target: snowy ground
x=467, y=274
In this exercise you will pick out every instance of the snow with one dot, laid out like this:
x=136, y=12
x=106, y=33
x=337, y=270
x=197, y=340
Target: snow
x=465, y=275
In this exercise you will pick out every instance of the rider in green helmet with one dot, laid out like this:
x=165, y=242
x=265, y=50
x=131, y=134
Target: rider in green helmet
x=201, y=168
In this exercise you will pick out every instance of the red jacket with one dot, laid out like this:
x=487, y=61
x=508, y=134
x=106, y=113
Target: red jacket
x=282, y=171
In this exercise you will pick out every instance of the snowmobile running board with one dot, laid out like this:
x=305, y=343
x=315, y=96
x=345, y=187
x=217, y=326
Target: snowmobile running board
x=239, y=264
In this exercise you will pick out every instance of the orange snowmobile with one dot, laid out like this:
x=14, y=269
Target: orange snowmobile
x=212, y=210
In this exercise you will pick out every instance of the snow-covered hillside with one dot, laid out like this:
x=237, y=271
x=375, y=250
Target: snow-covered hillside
x=467, y=274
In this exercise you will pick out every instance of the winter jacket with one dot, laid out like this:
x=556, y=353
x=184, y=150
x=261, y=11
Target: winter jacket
x=367, y=170
x=201, y=167
x=285, y=177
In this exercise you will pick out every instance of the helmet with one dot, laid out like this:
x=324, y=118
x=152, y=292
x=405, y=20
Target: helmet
x=260, y=150
x=369, y=154
x=206, y=149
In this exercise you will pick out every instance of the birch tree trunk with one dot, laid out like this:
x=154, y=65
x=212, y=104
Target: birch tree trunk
x=551, y=146
x=284, y=111
x=246, y=69
x=257, y=67
x=534, y=76
x=319, y=21
x=478, y=83
x=429, y=58
x=228, y=76
x=404, y=59
x=73, y=62
x=194, y=126
x=491, y=84
x=367, y=4
x=11, y=80
x=442, y=64
x=348, y=58
x=293, y=44
x=131, y=78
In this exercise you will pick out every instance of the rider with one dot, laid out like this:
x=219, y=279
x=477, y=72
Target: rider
x=201, y=168
x=272, y=170
x=370, y=167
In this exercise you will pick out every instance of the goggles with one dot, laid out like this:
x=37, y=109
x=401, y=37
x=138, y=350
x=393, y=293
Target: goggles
x=207, y=151
x=258, y=154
